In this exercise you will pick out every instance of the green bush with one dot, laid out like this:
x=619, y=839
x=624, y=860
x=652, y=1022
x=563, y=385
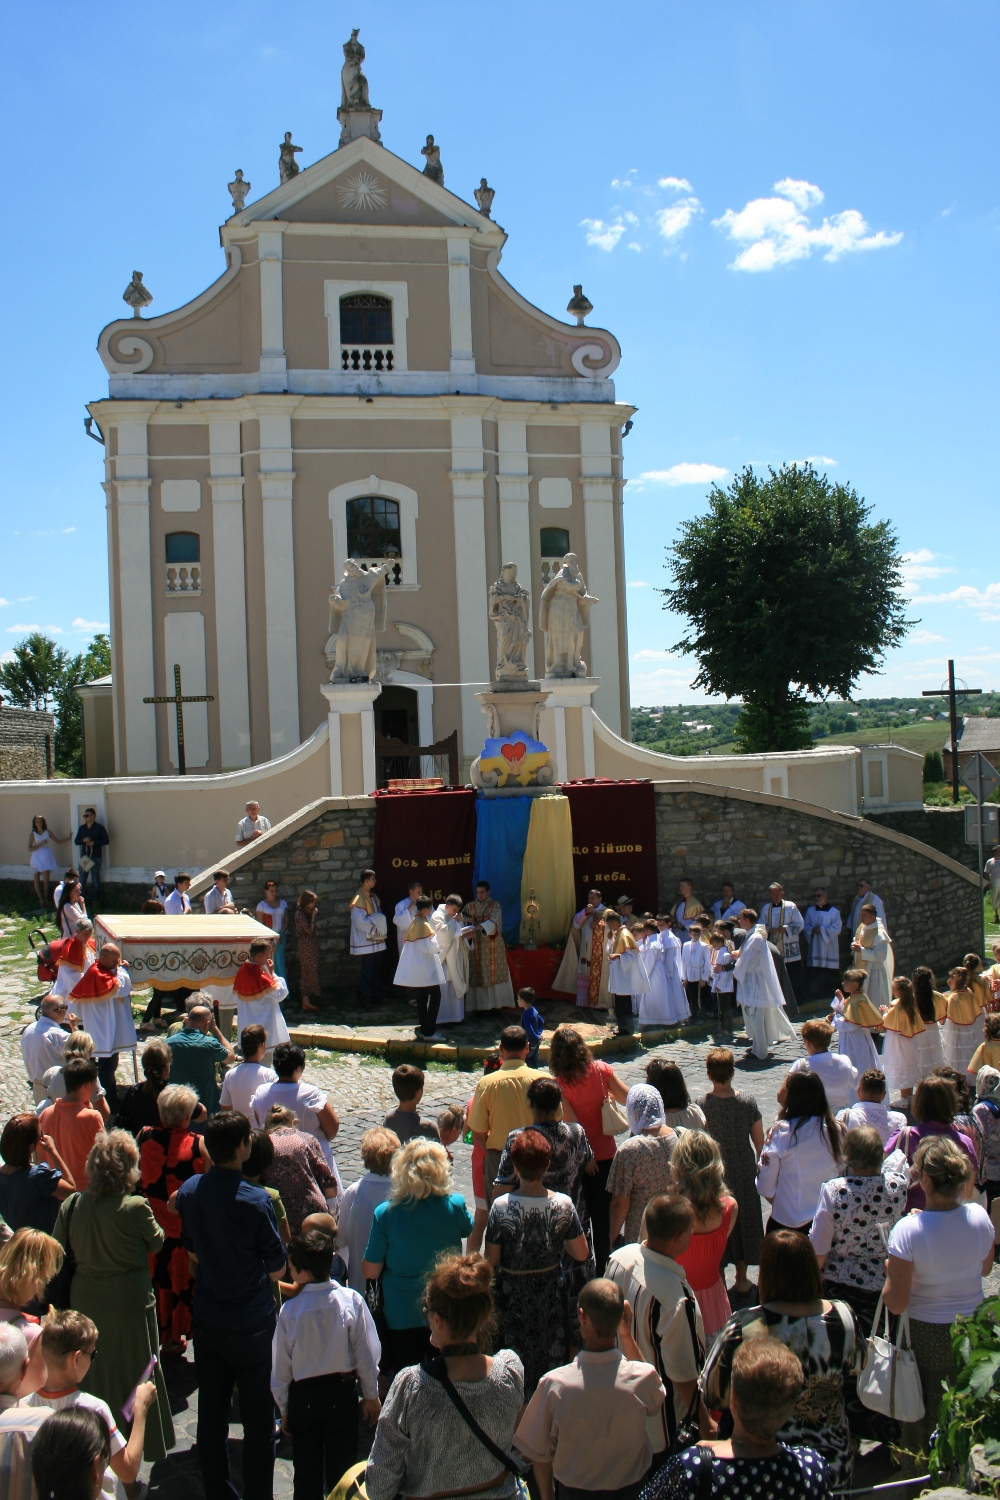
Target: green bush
x=970, y=1405
x=933, y=766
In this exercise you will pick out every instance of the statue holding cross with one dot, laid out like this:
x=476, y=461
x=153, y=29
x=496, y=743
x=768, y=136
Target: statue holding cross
x=178, y=699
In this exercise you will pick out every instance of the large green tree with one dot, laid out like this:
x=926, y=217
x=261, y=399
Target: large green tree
x=41, y=675
x=791, y=592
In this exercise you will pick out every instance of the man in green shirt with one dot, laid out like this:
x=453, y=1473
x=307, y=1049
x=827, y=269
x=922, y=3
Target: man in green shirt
x=194, y=1052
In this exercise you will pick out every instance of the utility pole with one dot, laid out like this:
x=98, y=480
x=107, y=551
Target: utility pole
x=950, y=693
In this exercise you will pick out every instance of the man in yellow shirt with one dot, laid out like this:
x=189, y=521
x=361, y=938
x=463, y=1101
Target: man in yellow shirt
x=500, y=1104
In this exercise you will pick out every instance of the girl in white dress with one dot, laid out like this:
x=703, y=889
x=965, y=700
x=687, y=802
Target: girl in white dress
x=963, y=1026
x=672, y=971
x=854, y=1016
x=933, y=1007
x=655, y=1008
x=903, y=1026
x=41, y=858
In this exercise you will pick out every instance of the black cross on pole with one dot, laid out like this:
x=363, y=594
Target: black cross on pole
x=949, y=693
x=178, y=699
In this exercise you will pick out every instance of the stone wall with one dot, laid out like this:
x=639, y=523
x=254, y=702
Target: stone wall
x=707, y=834
x=941, y=827
x=24, y=755
x=325, y=856
x=932, y=909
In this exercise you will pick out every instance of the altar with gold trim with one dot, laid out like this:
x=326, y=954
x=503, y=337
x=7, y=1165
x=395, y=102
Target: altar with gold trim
x=189, y=952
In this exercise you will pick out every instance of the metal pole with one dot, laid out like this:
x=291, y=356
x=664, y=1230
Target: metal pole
x=179, y=701
x=953, y=715
x=979, y=814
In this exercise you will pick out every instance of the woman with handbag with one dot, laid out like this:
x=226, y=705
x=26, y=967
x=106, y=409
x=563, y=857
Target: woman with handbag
x=823, y=1334
x=592, y=1096
x=937, y=1261
x=447, y=1425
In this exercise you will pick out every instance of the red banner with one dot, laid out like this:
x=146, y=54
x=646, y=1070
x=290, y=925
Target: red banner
x=425, y=836
x=614, y=840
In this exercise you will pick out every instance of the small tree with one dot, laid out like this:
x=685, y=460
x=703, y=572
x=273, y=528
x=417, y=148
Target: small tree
x=43, y=676
x=933, y=766
x=790, y=591
x=94, y=662
x=32, y=679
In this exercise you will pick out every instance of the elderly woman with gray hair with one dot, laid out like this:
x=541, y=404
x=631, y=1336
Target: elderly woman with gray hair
x=169, y=1154
x=853, y=1210
x=112, y=1233
x=641, y=1166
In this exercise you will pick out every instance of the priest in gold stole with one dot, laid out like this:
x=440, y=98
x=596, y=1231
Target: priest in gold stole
x=489, y=977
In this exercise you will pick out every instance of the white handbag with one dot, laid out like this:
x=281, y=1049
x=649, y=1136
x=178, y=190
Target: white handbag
x=889, y=1381
x=614, y=1120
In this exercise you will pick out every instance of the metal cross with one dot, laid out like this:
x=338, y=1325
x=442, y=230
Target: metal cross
x=178, y=699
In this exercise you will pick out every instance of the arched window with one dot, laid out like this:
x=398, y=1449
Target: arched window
x=366, y=332
x=373, y=528
x=183, y=547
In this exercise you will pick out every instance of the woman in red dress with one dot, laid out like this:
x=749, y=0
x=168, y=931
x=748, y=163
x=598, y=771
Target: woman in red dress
x=168, y=1155
x=699, y=1176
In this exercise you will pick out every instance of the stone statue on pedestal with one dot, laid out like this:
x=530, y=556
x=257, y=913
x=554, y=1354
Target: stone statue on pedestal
x=564, y=613
x=353, y=83
x=238, y=190
x=136, y=295
x=433, y=169
x=510, y=611
x=357, y=611
x=484, y=196
x=288, y=167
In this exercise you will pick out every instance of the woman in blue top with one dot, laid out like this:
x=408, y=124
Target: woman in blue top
x=421, y=1219
x=30, y=1191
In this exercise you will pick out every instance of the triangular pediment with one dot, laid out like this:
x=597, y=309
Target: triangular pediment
x=363, y=184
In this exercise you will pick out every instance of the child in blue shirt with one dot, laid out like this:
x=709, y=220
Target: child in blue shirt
x=533, y=1022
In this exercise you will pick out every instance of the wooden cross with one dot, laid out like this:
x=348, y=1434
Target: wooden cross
x=178, y=699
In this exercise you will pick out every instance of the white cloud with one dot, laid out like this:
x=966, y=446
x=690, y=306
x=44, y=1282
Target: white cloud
x=55, y=630
x=821, y=460
x=67, y=529
x=605, y=236
x=924, y=638
x=634, y=245
x=681, y=474
x=662, y=656
x=637, y=583
x=4, y=603
x=79, y=624
x=27, y=599
x=986, y=602
x=679, y=184
x=625, y=182
x=18, y=629
x=777, y=231
x=672, y=221
x=920, y=565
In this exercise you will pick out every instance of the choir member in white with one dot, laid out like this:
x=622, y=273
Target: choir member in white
x=451, y=934
x=822, y=928
x=723, y=961
x=871, y=950
x=627, y=977
x=368, y=933
x=687, y=910
x=696, y=961
x=666, y=1004
x=421, y=971
x=406, y=910
x=758, y=991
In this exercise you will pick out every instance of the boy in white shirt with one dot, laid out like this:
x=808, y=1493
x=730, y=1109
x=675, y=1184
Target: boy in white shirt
x=839, y=1075
x=178, y=903
x=722, y=960
x=871, y=1108
x=220, y=897
x=696, y=960
x=325, y=1342
x=242, y=1082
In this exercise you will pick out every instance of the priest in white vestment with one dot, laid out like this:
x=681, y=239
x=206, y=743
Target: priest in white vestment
x=451, y=932
x=406, y=910
x=758, y=990
x=784, y=922
x=822, y=934
x=871, y=950
x=728, y=906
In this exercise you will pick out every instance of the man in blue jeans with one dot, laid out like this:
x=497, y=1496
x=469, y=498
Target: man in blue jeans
x=230, y=1229
x=91, y=840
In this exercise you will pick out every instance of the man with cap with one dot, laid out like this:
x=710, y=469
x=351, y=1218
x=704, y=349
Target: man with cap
x=159, y=890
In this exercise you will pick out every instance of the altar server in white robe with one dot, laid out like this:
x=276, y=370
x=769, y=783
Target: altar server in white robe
x=421, y=971
x=627, y=977
x=822, y=933
x=103, y=1000
x=369, y=929
x=872, y=951
x=73, y=957
x=451, y=933
x=655, y=1008
x=673, y=970
x=406, y=910
x=258, y=993
x=758, y=990
x=866, y=897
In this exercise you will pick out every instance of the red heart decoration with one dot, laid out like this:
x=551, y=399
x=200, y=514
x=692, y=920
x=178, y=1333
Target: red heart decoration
x=513, y=753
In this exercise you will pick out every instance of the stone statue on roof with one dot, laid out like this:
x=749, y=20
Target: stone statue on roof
x=353, y=83
x=288, y=167
x=433, y=168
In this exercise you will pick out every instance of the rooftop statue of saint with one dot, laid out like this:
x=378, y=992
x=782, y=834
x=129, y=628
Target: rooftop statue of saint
x=353, y=83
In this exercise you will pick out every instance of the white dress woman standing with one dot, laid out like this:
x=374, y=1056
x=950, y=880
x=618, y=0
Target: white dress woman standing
x=41, y=858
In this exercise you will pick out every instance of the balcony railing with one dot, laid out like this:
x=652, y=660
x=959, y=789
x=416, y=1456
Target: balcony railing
x=394, y=577
x=183, y=578
x=380, y=359
x=550, y=567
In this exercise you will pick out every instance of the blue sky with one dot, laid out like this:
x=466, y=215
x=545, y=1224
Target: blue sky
x=789, y=214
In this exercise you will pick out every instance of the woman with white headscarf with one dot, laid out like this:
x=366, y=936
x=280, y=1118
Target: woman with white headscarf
x=986, y=1114
x=641, y=1167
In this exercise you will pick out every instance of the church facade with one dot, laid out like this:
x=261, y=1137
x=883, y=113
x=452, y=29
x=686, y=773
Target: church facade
x=360, y=382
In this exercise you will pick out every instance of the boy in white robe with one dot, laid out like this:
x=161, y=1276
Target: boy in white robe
x=722, y=983
x=696, y=960
x=451, y=933
x=759, y=992
x=368, y=933
x=627, y=978
x=673, y=970
x=406, y=910
x=73, y=957
x=258, y=993
x=655, y=1008
x=420, y=970
x=103, y=999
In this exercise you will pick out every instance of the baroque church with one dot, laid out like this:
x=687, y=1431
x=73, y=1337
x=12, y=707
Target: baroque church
x=360, y=382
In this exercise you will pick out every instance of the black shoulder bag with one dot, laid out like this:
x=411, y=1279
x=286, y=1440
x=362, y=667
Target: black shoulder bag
x=437, y=1370
x=59, y=1288
x=687, y=1432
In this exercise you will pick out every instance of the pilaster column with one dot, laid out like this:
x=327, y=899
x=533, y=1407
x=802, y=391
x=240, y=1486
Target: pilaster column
x=570, y=700
x=467, y=477
x=515, y=527
x=135, y=582
x=351, y=707
x=272, y=316
x=276, y=480
x=463, y=360
x=233, y=691
x=601, y=571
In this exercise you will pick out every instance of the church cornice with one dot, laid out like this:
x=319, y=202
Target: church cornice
x=112, y=410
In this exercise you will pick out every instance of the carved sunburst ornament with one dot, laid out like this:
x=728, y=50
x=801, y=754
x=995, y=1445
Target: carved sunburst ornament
x=363, y=191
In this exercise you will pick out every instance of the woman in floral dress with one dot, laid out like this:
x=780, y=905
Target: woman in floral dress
x=526, y=1235
x=168, y=1155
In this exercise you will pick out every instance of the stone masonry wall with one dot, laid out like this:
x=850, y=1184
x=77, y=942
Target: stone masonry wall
x=326, y=856
x=933, y=914
x=932, y=911
x=23, y=733
x=941, y=827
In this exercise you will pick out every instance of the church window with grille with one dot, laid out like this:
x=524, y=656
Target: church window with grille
x=373, y=528
x=366, y=332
